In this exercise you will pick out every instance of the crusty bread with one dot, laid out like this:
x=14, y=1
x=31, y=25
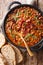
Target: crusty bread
x=2, y=60
x=9, y=54
x=19, y=57
x=2, y=40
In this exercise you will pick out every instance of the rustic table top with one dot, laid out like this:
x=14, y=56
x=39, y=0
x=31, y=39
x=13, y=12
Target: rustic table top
x=37, y=59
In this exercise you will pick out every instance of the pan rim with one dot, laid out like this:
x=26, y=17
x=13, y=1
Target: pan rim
x=16, y=7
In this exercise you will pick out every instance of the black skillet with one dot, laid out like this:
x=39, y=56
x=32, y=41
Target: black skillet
x=37, y=46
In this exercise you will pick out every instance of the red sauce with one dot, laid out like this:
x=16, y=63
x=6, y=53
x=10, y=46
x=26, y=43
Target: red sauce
x=26, y=21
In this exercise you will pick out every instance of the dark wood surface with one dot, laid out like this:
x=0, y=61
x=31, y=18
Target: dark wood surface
x=37, y=59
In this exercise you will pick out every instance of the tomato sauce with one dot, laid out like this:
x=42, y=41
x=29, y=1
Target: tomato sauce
x=26, y=21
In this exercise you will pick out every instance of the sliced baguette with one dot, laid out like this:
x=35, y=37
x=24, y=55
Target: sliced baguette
x=19, y=57
x=2, y=60
x=9, y=54
x=2, y=40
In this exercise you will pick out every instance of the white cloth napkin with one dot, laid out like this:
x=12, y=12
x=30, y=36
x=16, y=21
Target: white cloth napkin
x=4, y=7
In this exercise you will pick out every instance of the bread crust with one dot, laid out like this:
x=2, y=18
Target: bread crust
x=19, y=56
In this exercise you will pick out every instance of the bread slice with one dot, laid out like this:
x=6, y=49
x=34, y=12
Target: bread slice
x=2, y=40
x=19, y=57
x=9, y=54
x=2, y=60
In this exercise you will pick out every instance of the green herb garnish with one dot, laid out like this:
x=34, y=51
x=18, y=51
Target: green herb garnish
x=15, y=18
x=28, y=35
x=13, y=35
x=38, y=22
x=19, y=43
x=34, y=37
x=24, y=23
x=27, y=40
x=35, y=17
x=10, y=30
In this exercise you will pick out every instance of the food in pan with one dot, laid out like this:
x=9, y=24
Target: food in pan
x=2, y=40
x=26, y=21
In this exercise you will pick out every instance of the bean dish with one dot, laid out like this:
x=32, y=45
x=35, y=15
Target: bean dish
x=26, y=21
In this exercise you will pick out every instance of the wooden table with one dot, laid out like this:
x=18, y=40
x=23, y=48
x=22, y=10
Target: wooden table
x=37, y=59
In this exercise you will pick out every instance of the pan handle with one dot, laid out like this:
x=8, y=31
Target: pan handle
x=14, y=2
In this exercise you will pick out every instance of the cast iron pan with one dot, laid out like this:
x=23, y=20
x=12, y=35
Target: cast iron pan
x=37, y=46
